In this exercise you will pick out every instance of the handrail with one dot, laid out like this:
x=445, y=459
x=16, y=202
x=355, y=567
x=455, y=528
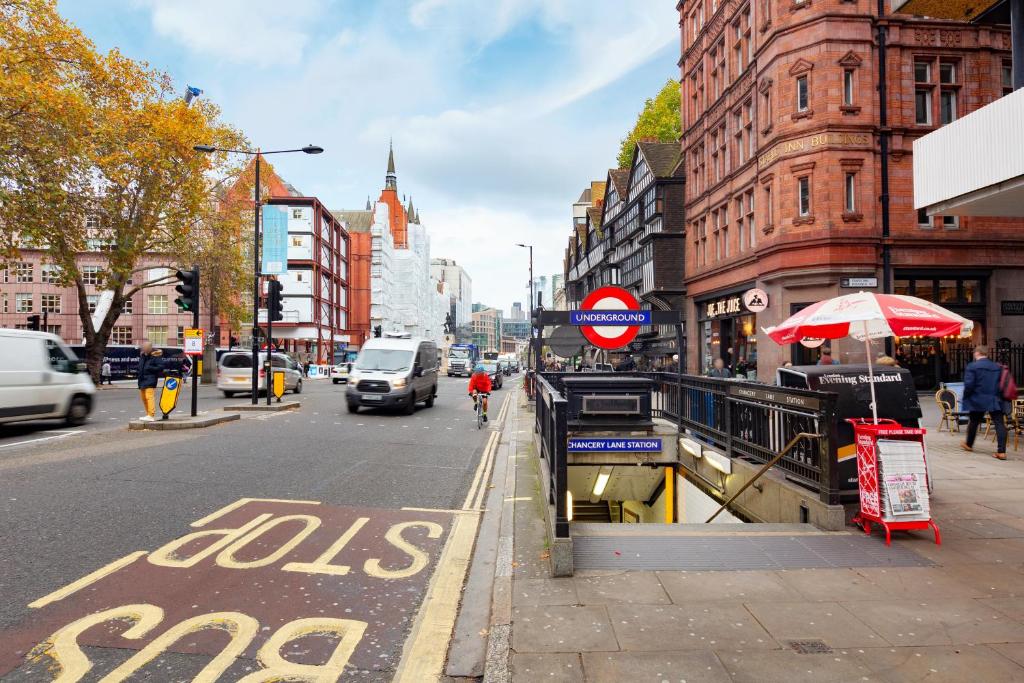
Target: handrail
x=767, y=466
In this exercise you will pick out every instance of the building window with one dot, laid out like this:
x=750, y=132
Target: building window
x=802, y=94
x=947, y=106
x=179, y=335
x=157, y=335
x=4, y=303
x=50, y=274
x=156, y=304
x=751, y=220
x=848, y=87
x=739, y=223
x=121, y=334
x=24, y=272
x=748, y=127
x=740, y=147
x=803, y=187
x=768, y=209
x=92, y=301
x=49, y=303
x=297, y=214
x=296, y=241
x=92, y=221
x=739, y=52
x=925, y=86
x=90, y=275
x=923, y=107
x=851, y=193
x=23, y=303
x=951, y=222
x=923, y=219
x=766, y=108
x=1007, y=76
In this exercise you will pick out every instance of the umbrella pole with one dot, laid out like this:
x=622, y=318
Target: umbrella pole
x=871, y=373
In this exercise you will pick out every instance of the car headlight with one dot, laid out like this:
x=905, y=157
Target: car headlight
x=398, y=383
x=353, y=376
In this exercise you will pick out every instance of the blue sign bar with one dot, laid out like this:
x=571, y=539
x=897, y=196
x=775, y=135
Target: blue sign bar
x=275, y=240
x=610, y=317
x=614, y=445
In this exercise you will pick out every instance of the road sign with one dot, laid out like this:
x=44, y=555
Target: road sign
x=565, y=341
x=278, y=385
x=194, y=341
x=610, y=317
x=169, y=395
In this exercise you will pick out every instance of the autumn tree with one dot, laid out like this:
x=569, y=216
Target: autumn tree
x=96, y=153
x=659, y=119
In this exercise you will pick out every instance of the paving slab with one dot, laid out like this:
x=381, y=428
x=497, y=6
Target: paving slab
x=992, y=581
x=995, y=550
x=788, y=666
x=827, y=621
x=641, y=628
x=941, y=664
x=627, y=587
x=540, y=592
x=740, y=586
x=174, y=423
x=1012, y=651
x=917, y=582
x=830, y=584
x=1011, y=607
x=562, y=628
x=557, y=668
x=698, y=666
x=937, y=622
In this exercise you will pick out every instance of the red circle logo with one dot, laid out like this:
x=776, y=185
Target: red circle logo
x=610, y=299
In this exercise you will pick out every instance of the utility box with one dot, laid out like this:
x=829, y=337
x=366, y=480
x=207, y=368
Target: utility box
x=608, y=403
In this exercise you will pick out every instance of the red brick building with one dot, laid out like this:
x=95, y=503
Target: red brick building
x=780, y=111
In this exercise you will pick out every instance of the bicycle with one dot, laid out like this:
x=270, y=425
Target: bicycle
x=479, y=399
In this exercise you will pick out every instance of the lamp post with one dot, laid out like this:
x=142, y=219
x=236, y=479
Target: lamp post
x=533, y=352
x=209, y=149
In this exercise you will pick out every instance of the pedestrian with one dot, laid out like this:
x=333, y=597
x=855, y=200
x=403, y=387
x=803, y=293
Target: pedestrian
x=186, y=370
x=719, y=370
x=151, y=366
x=105, y=374
x=826, y=357
x=887, y=361
x=983, y=394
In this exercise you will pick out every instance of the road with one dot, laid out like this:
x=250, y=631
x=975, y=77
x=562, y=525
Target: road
x=75, y=504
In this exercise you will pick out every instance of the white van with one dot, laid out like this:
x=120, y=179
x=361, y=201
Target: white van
x=41, y=378
x=395, y=373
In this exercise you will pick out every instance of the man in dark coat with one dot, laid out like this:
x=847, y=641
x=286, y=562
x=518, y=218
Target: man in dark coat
x=982, y=395
x=151, y=368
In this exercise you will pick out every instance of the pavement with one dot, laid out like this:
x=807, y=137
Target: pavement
x=960, y=618
x=324, y=544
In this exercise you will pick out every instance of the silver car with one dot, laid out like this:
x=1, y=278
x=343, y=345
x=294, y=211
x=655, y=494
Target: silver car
x=234, y=373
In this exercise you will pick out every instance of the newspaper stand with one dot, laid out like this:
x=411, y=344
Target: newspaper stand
x=875, y=506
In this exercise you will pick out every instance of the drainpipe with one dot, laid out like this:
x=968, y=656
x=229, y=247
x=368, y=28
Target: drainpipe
x=884, y=135
x=1017, y=41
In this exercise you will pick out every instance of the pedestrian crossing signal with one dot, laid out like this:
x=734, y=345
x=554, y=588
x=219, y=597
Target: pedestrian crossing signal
x=188, y=289
x=275, y=300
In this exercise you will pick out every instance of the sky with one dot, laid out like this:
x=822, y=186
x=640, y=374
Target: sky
x=501, y=111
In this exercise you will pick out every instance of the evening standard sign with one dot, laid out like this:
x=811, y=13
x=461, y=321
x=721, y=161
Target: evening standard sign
x=610, y=317
x=614, y=445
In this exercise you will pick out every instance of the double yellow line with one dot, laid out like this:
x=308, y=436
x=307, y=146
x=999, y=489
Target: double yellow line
x=474, y=498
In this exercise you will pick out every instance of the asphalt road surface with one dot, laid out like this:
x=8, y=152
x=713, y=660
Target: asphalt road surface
x=90, y=518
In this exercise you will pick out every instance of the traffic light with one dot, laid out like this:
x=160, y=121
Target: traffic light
x=188, y=289
x=33, y=322
x=377, y=331
x=275, y=300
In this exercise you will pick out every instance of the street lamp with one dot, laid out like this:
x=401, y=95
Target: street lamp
x=533, y=352
x=308, y=149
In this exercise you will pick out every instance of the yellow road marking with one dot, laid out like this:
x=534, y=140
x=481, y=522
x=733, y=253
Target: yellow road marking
x=450, y=512
x=242, y=501
x=81, y=583
x=480, y=470
x=423, y=656
x=483, y=488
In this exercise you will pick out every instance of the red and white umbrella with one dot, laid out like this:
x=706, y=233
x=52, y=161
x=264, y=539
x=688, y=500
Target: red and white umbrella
x=866, y=316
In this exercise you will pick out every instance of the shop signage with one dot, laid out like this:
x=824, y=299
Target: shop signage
x=809, y=142
x=727, y=306
x=614, y=445
x=858, y=282
x=812, y=342
x=756, y=300
x=771, y=396
x=1011, y=307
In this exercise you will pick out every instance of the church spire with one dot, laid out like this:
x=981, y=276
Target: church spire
x=391, y=179
x=369, y=206
x=410, y=211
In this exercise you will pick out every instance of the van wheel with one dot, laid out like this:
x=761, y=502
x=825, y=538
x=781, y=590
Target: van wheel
x=410, y=407
x=228, y=394
x=353, y=408
x=430, y=399
x=78, y=411
x=298, y=387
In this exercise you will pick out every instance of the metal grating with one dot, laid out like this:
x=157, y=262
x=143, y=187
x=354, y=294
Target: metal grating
x=810, y=647
x=736, y=552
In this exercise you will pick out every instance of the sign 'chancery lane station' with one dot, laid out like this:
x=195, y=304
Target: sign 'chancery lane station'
x=259, y=591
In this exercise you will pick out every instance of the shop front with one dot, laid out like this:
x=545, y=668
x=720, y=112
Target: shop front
x=727, y=328
x=935, y=360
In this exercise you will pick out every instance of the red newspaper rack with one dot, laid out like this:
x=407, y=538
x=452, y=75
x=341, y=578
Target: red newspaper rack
x=893, y=477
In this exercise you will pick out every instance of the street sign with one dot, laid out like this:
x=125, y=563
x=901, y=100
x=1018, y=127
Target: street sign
x=169, y=395
x=194, y=341
x=613, y=445
x=610, y=317
x=565, y=341
x=858, y=282
x=275, y=240
x=756, y=300
x=278, y=385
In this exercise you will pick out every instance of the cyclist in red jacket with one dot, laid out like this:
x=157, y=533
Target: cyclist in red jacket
x=480, y=383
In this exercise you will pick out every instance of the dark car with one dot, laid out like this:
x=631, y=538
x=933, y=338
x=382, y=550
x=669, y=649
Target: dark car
x=493, y=368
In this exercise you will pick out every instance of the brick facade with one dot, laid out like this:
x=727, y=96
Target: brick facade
x=780, y=108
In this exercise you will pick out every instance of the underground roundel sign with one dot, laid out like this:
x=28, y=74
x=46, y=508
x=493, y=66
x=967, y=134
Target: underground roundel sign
x=610, y=317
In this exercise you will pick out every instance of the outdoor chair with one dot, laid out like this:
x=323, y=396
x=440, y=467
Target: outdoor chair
x=951, y=416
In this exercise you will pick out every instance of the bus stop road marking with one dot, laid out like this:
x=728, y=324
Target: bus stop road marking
x=55, y=435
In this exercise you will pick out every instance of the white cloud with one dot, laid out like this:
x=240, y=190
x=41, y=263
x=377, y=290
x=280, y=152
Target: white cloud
x=261, y=32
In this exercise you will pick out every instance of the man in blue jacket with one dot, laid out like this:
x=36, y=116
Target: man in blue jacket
x=151, y=368
x=982, y=395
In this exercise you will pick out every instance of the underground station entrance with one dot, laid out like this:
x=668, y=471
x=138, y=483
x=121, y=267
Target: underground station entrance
x=658, y=470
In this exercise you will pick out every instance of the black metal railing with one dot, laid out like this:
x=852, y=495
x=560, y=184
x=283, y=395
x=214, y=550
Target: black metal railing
x=741, y=419
x=551, y=414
